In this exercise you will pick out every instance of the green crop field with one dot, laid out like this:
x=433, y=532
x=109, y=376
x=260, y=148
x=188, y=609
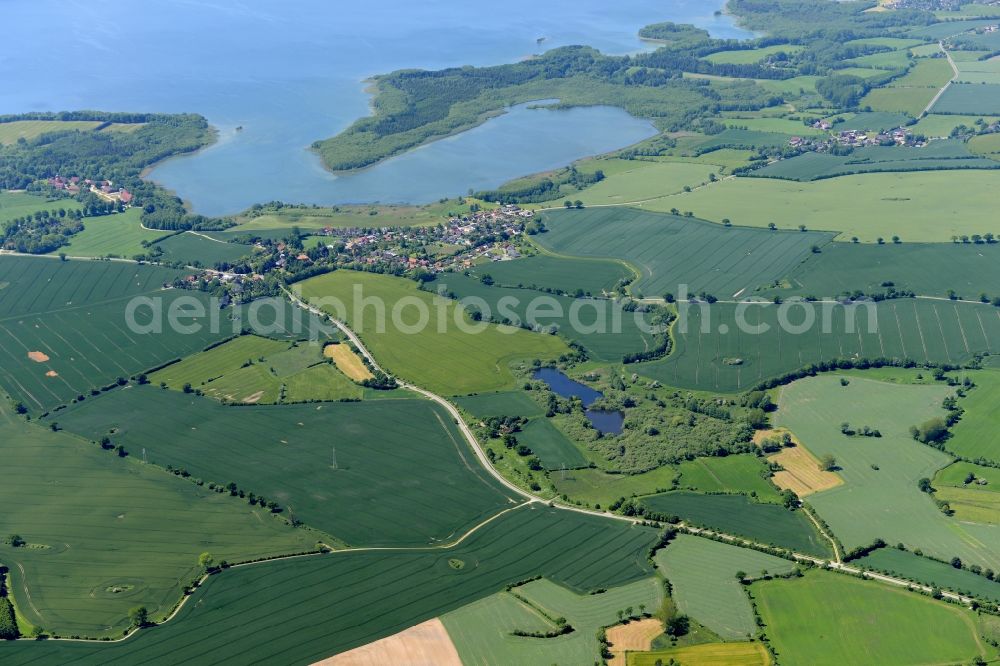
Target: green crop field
x=894, y=43
x=281, y=221
x=975, y=436
x=924, y=570
x=508, y=403
x=119, y=235
x=731, y=347
x=877, y=121
x=702, y=575
x=880, y=498
x=985, y=144
x=735, y=474
x=195, y=249
x=927, y=269
x=926, y=73
x=393, y=457
x=939, y=155
x=482, y=632
x=268, y=612
x=925, y=206
x=20, y=204
x=645, y=180
x=747, y=56
x=671, y=251
x=594, y=486
x=967, y=98
x=602, y=326
x=117, y=534
x=74, y=315
x=29, y=129
x=911, y=101
x=454, y=362
x=706, y=654
x=591, y=276
x=946, y=29
x=737, y=514
x=739, y=138
x=552, y=447
x=884, y=60
x=939, y=125
x=254, y=369
x=826, y=618
x=782, y=125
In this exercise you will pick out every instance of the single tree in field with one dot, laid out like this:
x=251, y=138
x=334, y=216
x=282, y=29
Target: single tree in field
x=205, y=561
x=16, y=541
x=138, y=616
x=828, y=463
x=568, y=203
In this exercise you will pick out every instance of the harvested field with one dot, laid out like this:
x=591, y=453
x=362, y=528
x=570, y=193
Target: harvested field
x=801, y=474
x=637, y=635
x=426, y=643
x=709, y=654
x=348, y=362
x=38, y=357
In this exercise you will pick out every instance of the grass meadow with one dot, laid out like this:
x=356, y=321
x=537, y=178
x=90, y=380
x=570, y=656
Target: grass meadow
x=452, y=363
x=271, y=612
x=116, y=535
x=744, y=473
x=482, y=632
x=393, y=458
x=553, y=448
x=257, y=370
x=645, y=180
x=119, y=235
x=597, y=487
x=825, y=618
x=597, y=318
x=880, y=498
x=669, y=251
x=975, y=436
x=194, y=249
x=507, y=403
x=702, y=575
x=728, y=359
x=20, y=204
x=918, y=206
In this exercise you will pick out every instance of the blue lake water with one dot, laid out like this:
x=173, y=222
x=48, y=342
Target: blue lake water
x=291, y=73
x=607, y=421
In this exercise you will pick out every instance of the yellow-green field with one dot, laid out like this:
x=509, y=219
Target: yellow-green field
x=927, y=206
x=452, y=362
x=29, y=129
x=708, y=654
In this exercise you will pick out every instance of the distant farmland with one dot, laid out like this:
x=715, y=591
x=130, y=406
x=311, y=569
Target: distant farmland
x=301, y=611
x=70, y=316
x=670, y=251
x=393, y=458
x=726, y=358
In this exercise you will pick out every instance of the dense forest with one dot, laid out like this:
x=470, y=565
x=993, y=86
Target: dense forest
x=119, y=157
x=414, y=106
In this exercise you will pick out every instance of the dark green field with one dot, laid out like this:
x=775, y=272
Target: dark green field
x=560, y=273
x=671, y=251
x=74, y=313
x=931, y=572
x=508, y=403
x=970, y=99
x=927, y=269
x=737, y=514
x=940, y=155
x=198, y=250
x=727, y=358
x=394, y=458
x=601, y=325
x=552, y=447
x=301, y=611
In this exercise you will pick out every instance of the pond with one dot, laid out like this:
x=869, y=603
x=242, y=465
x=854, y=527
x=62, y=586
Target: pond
x=606, y=421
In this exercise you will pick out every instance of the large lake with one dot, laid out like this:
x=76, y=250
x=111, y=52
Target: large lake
x=290, y=73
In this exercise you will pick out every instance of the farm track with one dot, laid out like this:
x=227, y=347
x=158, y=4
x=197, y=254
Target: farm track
x=954, y=68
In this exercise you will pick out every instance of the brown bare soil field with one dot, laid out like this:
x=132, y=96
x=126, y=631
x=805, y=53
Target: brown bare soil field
x=426, y=644
x=38, y=357
x=634, y=636
x=801, y=473
x=348, y=362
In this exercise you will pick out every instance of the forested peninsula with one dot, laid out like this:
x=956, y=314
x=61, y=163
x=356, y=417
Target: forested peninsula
x=412, y=107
